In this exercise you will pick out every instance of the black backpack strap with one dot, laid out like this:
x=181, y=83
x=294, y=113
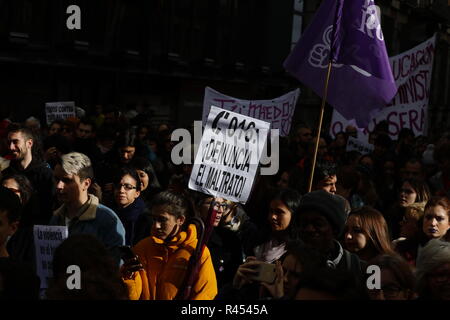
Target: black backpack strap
x=348, y=260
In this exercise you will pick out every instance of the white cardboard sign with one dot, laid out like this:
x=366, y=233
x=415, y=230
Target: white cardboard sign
x=408, y=109
x=46, y=240
x=59, y=110
x=278, y=112
x=228, y=155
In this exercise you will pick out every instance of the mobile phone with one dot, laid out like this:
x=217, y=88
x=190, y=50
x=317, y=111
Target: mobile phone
x=266, y=273
x=126, y=253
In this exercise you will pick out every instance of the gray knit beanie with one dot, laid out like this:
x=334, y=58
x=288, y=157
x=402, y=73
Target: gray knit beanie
x=330, y=205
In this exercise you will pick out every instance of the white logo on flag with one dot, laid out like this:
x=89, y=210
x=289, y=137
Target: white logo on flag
x=318, y=56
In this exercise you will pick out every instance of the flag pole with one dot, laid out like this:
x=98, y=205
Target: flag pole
x=319, y=129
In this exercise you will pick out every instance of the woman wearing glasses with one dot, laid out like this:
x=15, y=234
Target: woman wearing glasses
x=130, y=207
x=224, y=244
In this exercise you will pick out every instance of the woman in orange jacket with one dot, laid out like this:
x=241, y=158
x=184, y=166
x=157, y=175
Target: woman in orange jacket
x=163, y=258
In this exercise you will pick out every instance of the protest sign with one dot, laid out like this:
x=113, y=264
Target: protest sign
x=278, y=112
x=59, y=110
x=363, y=147
x=228, y=155
x=408, y=109
x=46, y=240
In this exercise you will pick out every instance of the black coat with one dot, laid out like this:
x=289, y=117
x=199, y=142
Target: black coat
x=136, y=221
x=226, y=253
x=41, y=178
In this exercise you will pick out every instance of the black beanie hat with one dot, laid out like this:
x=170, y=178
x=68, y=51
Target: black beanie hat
x=331, y=206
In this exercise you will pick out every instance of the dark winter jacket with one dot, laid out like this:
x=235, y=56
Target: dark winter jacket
x=41, y=178
x=136, y=221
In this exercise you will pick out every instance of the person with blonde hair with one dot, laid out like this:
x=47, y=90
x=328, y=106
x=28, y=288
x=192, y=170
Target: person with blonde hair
x=80, y=211
x=409, y=226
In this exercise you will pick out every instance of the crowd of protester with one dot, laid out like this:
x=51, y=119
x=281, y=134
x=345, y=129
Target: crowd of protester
x=109, y=177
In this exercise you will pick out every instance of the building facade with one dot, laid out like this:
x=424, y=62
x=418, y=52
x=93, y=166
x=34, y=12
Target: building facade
x=163, y=53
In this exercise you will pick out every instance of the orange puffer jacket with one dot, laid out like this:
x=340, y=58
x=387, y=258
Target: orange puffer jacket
x=165, y=266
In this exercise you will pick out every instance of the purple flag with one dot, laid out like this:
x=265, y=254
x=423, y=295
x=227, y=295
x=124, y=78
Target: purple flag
x=361, y=81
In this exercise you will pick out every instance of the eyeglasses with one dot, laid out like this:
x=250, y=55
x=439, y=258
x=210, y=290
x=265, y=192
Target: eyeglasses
x=127, y=186
x=224, y=205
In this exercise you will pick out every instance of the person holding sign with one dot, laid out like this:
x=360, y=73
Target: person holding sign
x=225, y=246
x=160, y=268
x=80, y=211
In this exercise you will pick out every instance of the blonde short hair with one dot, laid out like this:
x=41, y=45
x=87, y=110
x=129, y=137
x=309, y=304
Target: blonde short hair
x=415, y=210
x=77, y=164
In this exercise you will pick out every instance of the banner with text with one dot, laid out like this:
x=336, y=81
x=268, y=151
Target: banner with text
x=278, y=112
x=412, y=73
x=46, y=240
x=362, y=146
x=228, y=155
x=59, y=110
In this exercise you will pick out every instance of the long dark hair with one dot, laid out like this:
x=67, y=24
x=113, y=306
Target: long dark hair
x=375, y=229
x=25, y=187
x=291, y=199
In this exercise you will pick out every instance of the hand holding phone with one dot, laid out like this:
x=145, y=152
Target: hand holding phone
x=126, y=253
x=254, y=270
x=266, y=273
x=131, y=262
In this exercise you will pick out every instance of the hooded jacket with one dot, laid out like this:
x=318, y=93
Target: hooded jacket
x=165, y=265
